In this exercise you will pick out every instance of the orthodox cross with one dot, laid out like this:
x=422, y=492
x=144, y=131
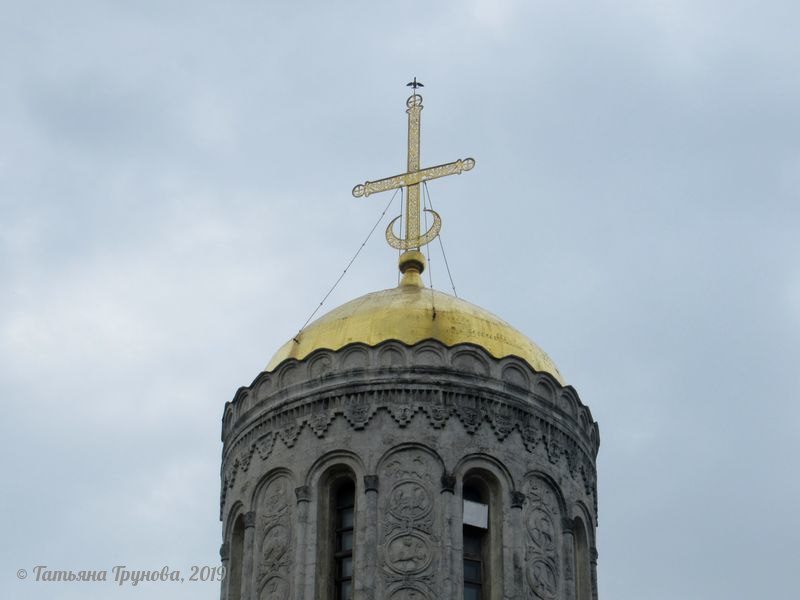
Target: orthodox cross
x=411, y=180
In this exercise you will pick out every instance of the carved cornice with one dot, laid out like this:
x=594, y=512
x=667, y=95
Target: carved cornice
x=467, y=360
x=460, y=382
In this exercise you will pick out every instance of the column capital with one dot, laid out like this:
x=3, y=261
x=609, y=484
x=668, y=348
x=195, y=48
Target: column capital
x=224, y=552
x=370, y=483
x=448, y=483
x=517, y=499
x=249, y=519
x=302, y=493
x=566, y=525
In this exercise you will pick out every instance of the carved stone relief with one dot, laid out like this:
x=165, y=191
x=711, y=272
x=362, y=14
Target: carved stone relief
x=275, y=539
x=410, y=524
x=358, y=412
x=435, y=406
x=469, y=415
x=502, y=422
x=409, y=594
x=438, y=405
x=408, y=554
x=402, y=413
x=276, y=588
x=542, y=518
x=264, y=445
x=531, y=434
x=543, y=579
x=245, y=457
x=438, y=414
x=541, y=529
x=319, y=423
x=290, y=433
x=410, y=501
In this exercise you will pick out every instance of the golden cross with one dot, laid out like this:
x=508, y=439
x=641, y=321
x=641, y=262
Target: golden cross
x=411, y=180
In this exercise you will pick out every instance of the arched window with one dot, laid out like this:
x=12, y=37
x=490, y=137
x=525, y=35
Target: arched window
x=476, y=525
x=336, y=539
x=344, y=519
x=482, y=530
x=583, y=582
x=237, y=556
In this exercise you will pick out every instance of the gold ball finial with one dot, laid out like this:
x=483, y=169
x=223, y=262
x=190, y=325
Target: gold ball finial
x=412, y=264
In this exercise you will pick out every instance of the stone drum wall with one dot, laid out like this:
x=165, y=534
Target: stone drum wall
x=406, y=427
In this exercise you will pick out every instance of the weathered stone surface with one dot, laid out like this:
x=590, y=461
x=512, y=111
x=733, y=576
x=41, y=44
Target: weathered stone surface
x=417, y=419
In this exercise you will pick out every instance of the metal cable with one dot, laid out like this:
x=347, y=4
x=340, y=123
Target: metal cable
x=441, y=244
x=352, y=260
x=428, y=251
x=399, y=250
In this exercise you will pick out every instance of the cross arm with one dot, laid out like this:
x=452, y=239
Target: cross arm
x=390, y=183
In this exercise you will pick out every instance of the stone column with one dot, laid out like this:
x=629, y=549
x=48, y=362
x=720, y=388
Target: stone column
x=569, y=559
x=303, y=496
x=451, y=515
x=369, y=554
x=516, y=539
x=225, y=556
x=248, y=589
x=593, y=561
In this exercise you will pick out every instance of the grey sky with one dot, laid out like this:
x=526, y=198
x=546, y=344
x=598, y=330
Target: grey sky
x=175, y=199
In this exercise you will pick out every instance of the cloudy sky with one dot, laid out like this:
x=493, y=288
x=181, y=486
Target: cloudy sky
x=175, y=199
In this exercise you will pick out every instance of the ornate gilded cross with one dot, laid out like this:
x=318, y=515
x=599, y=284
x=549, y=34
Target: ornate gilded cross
x=411, y=180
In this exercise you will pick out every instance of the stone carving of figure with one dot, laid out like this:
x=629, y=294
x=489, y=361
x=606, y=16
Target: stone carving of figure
x=408, y=554
x=543, y=580
x=409, y=501
x=408, y=594
x=275, y=497
x=275, y=589
x=541, y=529
x=275, y=544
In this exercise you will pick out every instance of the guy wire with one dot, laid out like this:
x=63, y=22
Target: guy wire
x=428, y=252
x=441, y=244
x=352, y=260
x=400, y=250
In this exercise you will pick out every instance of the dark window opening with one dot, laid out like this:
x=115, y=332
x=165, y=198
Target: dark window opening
x=474, y=535
x=473, y=563
x=236, y=558
x=344, y=506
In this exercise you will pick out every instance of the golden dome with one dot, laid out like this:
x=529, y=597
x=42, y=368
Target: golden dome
x=405, y=313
